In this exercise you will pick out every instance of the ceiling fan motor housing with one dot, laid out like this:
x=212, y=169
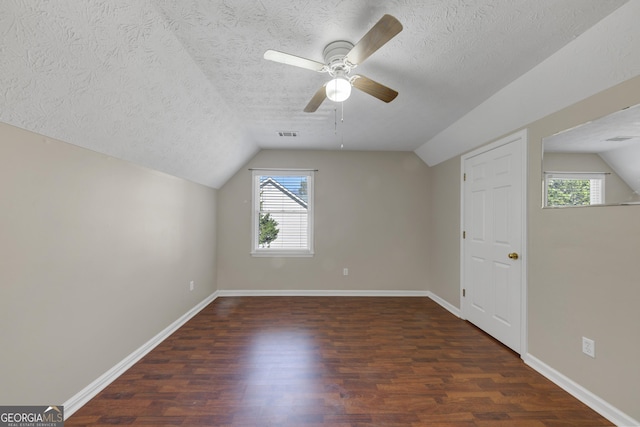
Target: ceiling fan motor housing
x=334, y=54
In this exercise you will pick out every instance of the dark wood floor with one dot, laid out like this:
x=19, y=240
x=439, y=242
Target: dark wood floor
x=331, y=361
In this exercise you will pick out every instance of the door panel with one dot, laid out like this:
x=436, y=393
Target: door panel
x=478, y=208
x=478, y=298
x=501, y=200
x=501, y=294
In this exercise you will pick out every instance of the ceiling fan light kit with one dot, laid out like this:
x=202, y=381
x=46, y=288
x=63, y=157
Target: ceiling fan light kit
x=338, y=89
x=340, y=57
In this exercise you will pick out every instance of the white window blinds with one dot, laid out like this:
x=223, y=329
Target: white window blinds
x=282, y=213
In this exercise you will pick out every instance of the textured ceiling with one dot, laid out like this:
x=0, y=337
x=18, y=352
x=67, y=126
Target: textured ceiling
x=181, y=86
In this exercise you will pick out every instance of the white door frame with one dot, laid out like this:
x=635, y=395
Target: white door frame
x=520, y=136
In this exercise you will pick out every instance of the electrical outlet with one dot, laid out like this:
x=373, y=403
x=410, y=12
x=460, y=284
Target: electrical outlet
x=192, y=285
x=345, y=271
x=589, y=347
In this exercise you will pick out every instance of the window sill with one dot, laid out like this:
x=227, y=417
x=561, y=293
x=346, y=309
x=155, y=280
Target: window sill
x=282, y=254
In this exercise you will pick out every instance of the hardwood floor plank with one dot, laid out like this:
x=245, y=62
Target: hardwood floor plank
x=331, y=361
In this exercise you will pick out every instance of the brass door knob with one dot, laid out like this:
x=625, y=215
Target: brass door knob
x=513, y=255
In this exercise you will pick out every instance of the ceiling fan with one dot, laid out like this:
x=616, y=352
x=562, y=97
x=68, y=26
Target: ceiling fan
x=340, y=57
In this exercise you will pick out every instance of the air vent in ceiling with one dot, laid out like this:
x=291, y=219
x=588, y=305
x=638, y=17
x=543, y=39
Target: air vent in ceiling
x=291, y=133
x=620, y=138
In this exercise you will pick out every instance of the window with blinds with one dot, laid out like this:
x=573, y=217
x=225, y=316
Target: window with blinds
x=282, y=213
x=574, y=188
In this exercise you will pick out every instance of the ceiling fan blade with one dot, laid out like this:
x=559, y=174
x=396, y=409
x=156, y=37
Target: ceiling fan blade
x=286, y=58
x=317, y=99
x=383, y=31
x=374, y=88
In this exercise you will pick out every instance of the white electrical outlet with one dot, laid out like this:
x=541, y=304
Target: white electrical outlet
x=589, y=347
x=345, y=271
x=192, y=285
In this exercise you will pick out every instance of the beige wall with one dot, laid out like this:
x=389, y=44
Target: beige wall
x=583, y=273
x=96, y=257
x=445, y=231
x=371, y=216
x=582, y=268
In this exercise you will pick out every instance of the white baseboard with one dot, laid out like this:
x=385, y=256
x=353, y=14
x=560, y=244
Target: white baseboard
x=602, y=407
x=319, y=293
x=90, y=391
x=445, y=304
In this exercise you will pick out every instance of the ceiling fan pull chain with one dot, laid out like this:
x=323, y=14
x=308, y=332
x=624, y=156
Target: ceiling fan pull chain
x=342, y=126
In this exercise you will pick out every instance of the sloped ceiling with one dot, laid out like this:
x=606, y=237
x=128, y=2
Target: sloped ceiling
x=182, y=87
x=615, y=138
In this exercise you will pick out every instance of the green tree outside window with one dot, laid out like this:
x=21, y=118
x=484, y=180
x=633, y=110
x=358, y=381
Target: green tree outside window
x=268, y=230
x=569, y=192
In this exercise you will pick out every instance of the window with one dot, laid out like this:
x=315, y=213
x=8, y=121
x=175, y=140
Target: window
x=282, y=213
x=573, y=188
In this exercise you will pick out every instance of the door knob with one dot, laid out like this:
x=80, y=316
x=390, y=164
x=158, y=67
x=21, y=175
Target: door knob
x=513, y=255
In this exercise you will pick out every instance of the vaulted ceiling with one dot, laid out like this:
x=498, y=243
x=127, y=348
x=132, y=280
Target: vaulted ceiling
x=182, y=86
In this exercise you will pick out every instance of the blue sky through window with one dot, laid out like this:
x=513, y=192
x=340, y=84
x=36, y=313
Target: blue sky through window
x=292, y=183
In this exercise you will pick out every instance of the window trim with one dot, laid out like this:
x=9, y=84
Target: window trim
x=256, y=250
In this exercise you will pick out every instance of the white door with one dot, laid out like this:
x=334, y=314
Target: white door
x=493, y=204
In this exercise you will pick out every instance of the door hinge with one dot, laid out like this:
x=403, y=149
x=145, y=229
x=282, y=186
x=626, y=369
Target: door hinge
x=464, y=292
x=464, y=234
x=464, y=177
